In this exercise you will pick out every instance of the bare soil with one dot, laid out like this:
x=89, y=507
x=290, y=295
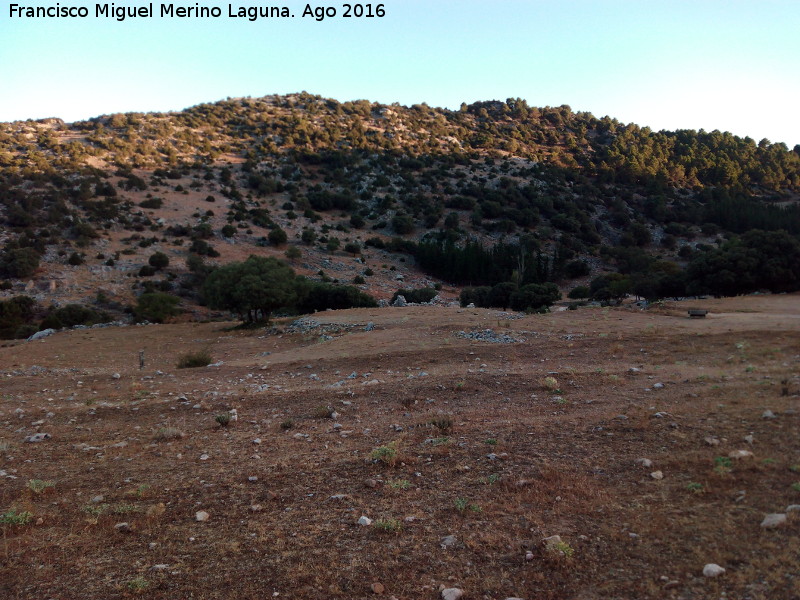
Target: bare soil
x=477, y=445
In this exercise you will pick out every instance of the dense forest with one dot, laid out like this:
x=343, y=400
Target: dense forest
x=495, y=197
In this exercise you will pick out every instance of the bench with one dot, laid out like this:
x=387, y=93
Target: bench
x=697, y=313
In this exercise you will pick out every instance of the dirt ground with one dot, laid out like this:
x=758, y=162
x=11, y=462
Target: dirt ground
x=465, y=454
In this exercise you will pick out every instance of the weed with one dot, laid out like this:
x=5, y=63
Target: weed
x=140, y=491
x=4, y=447
x=490, y=441
x=95, y=510
x=443, y=424
x=12, y=517
x=564, y=548
x=493, y=478
x=399, y=484
x=386, y=454
x=192, y=360
x=694, y=487
x=323, y=412
x=165, y=434
x=138, y=584
x=37, y=486
x=442, y=441
x=463, y=505
x=123, y=508
x=287, y=424
x=722, y=465
x=796, y=486
x=769, y=461
x=224, y=419
x=551, y=383
x=795, y=468
x=389, y=525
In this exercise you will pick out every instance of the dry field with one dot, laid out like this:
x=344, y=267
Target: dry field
x=461, y=451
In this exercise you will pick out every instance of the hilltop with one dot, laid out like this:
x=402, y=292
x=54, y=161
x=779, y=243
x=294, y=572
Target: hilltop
x=387, y=196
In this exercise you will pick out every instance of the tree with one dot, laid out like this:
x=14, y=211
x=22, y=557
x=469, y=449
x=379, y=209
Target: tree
x=277, y=237
x=158, y=261
x=579, y=292
x=333, y=244
x=293, y=253
x=259, y=285
x=535, y=296
x=20, y=262
x=352, y=248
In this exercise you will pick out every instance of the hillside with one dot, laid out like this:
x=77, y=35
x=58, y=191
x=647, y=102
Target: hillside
x=388, y=197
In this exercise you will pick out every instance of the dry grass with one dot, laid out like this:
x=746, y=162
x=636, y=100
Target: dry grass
x=493, y=461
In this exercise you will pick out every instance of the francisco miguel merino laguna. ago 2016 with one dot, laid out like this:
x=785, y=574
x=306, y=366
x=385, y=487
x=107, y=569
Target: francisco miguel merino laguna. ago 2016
x=145, y=11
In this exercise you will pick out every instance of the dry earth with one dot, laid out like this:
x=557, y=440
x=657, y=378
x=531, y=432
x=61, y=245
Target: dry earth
x=485, y=453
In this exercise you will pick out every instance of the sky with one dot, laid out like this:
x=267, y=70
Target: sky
x=731, y=65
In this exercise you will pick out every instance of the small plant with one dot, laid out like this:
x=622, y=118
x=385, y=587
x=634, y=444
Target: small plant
x=287, y=424
x=95, y=511
x=224, y=419
x=563, y=548
x=796, y=486
x=123, y=508
x=165, y=434
x=463, y=505
x=386, y=454
x=138, y=584
x=493, y=478
x=795, y=468
x=722, y=465
x=193, y=360
x=443, y=424
x=694, y=487
x=399, y=484
x=12, y=517
x=490, y=441
x=441, y=441
x=37, y=486
x=388, y=525
x=551, y=383
x=323, y=412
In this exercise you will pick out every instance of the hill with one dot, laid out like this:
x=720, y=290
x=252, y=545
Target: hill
x=387, y=197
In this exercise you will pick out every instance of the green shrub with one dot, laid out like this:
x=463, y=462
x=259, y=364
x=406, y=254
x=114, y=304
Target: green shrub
x=417, y=296
x=156, y=307
x=193, y=360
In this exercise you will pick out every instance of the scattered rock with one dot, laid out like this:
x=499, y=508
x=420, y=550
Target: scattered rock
x=37, y=437
x=159, y=567
x=116, y=376
x=377, y=588
x=658, y=386
x=644, y=462
x=739, y=454
x=711, y=440
x=255, y=508
x=41, y=334
x=768, y=414
x=365, y=521
x=793, y=508
x=773, y=520
x=657, y=475
x=204, y=457
x=97, y=499
x=371, y=483
x=551, y=543
x=452, y=593
x=370, y=326
x=749, y=439
x=712, y=570
x=400, y=301
x=123, y=527
x=252, y=479
x=201, y=516
x=448, y=541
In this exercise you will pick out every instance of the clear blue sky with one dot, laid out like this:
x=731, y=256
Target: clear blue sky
x=713, y=64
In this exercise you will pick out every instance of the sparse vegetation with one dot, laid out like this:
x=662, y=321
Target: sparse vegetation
x=193, y=360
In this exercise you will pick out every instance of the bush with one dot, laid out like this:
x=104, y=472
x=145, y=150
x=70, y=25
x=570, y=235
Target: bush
x=581, y=291
x=146, y=271
x=277, y=237
x=158, y=261
x=156, y=307
x=228, y=231
x=577, y=268
x=71, y=315
x=479, y=296
x=15, y=314
x=535, y=296
x=193, y=360
x=315, y=296
x=417, y=296
x=18, y=263
x=152, y=203
x=75, y=259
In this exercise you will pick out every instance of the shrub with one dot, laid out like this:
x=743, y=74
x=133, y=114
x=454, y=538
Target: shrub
x=479, y=296
x=535, y=296
x=18, y=263
x=386, y=454
x=193, y=360
x=277, y=237
x=158, y=261
x=75, y=259
x=228, y=231
x=313, y=296
x=581, y=291
x=146, y=271
x=156, y=307
x=152, y=203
